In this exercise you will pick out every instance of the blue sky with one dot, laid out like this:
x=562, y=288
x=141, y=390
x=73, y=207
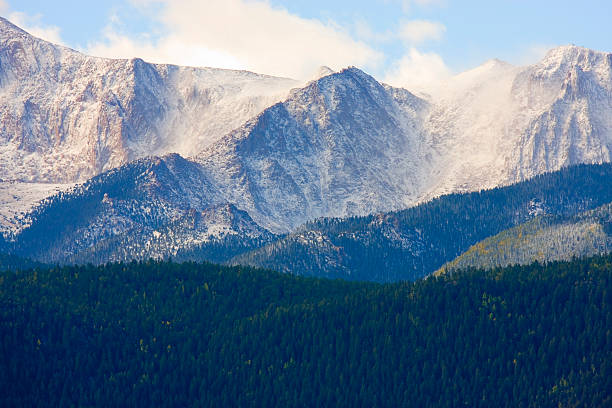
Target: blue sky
x=400, y=41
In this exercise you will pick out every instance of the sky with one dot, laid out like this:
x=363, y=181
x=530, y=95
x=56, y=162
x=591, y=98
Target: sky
x=405, y=43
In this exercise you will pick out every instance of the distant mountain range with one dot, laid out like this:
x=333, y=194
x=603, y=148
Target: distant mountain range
x=171, y=160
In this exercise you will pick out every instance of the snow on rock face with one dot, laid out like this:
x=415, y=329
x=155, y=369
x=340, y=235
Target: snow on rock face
x=564, y=112
x=16, y=199
x=346, y=145
x=465, y=126
x=499, y=124
x=65, y=117
x=343, y=145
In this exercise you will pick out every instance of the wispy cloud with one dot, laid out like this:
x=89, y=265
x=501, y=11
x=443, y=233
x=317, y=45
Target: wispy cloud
x=257, y=36
x=416, y=32
x=242, y=34
x=417, y=70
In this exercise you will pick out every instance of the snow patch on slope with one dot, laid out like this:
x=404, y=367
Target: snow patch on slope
x=17, y=199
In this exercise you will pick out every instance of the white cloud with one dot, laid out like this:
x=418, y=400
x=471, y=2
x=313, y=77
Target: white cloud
x=3, y=6
x=242, y=34
x=33, y=25
x=417, y=70
x=416, y=32
x=170, y=49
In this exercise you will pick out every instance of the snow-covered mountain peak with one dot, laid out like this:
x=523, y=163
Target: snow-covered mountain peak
x=571, y=55
x=65, y=116
x=342, y=145
x=10, y=30
x=498, y=124
x=345, y=74
x=560, y=62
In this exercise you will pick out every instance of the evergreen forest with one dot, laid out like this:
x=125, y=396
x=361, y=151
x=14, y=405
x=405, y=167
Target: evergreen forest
x=185, y=334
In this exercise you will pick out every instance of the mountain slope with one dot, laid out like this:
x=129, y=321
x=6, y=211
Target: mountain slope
x=65, y=116
x=16, y=199
x=543, y=239
x=410, y=244
x=150, y=207
x=214, y=234
x=342, y=145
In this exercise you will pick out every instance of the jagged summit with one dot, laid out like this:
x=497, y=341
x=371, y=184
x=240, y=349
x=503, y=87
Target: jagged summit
x=571, y=52
x=561, y=60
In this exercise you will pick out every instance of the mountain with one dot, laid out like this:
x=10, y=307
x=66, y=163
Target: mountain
x=347, y=145
x=167, y=207
x=544, y=239
x=573, y=124
x=500, y=124
x=147, y=208
x=66, y=117
x=265, y=160
x=413, y=243
x=342, y=145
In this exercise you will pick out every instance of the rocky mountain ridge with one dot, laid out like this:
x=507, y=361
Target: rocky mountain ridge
x=343, y=145
x=66, y=117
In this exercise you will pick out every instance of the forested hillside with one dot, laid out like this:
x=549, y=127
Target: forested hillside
x=543, y=239
x=410, y=244
x=164, y=334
